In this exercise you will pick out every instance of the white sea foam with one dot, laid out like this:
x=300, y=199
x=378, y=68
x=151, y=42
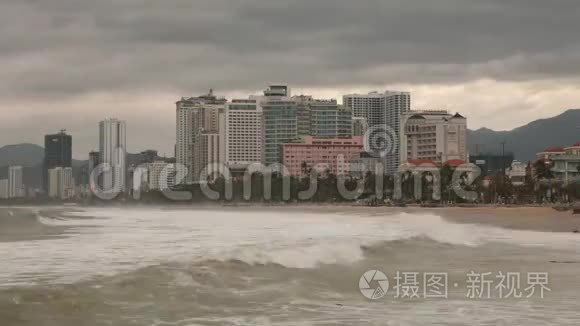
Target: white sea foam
x=125, y=239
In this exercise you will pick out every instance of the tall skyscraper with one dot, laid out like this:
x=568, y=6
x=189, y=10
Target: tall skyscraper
x=193, y=116
x=279, y=127
x=243, y=134
x=15, y=181
x=112, y=153
x=382, y=112
x=57, y=153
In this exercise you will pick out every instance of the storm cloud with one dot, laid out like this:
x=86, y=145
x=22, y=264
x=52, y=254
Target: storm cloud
x=67, y=64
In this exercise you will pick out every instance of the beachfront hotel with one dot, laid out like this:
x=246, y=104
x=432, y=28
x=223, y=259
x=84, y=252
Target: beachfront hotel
x=382, y=111
x=333, y=155
x=243, y=134
x=433, y=135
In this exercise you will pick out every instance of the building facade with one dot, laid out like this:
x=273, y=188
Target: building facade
x=3, y=188
x=323, y=154
x=195, y=115
x=112, y=153
x=211, y=153
x=492, y=164
x=566, y=164
x=516, y=173
x=57, y=153
x=61, y=183
x=280, y=126
x=382, y=112
x=303, y=123
x=433, y=135
x=243, y=134
x=15, y=182
x=160, y=175
x=359, y=126
x=330, y=120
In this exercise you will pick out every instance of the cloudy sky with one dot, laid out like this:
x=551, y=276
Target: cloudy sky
x=69, y=63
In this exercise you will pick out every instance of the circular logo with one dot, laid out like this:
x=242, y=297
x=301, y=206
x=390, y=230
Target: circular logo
x=380, y=140
x=373, y=284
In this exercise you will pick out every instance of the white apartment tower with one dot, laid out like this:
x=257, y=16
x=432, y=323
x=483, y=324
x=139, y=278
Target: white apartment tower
x=15, y=182
x=433, y=135
x=61, y=183
x=382, y=112
x=243, y=134
x=112, y=153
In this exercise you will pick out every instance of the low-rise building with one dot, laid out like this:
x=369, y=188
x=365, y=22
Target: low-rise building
x=433, y=135
x=517, y=173
x=566, y=164
x=160, y=175
x=323, y=154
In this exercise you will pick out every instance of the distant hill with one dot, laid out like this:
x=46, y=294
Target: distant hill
x=562, y=130
x=27, y=155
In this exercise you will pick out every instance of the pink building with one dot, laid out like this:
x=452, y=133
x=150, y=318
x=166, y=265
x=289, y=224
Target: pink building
x=322, y=154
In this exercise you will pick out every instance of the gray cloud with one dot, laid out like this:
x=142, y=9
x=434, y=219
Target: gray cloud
x=72, y=47
x=60, y=49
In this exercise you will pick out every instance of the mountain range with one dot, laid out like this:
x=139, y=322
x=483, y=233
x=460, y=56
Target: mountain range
x=528, y=140
x=525, y=141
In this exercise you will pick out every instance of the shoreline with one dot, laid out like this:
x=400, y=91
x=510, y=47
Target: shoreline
x=22, y=226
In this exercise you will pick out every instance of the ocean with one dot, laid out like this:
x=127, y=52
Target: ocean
x=279, y=266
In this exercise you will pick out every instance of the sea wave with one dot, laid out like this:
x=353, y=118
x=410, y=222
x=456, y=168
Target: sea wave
x=112, y=240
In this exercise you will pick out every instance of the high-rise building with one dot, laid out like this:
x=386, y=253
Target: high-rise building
x=280, y=126
x=15, y=182
x=382, y=112
x=112, y=153
x=303, y=123
x=57, y=153
x=210, y=152
x=433, y=135
x=359, y=126
x=243, y=133
x=61, y=183
x=330, y=120
x=193, y=116
x=3, y=188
